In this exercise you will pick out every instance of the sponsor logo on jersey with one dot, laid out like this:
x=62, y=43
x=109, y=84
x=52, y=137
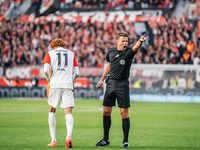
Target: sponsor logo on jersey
x=122, y=62
x=117, y=55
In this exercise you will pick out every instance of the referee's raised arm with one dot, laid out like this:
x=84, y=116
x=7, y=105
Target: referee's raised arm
x=139, y=43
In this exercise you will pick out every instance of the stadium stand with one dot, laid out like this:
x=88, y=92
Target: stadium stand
x=118, y=4
x=25, y=43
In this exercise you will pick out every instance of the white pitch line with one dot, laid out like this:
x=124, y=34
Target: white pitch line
x=85, y=110
x=160, y=112
x=21, y=109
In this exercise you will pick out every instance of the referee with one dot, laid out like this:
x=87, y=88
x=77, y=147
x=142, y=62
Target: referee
x=119, y=62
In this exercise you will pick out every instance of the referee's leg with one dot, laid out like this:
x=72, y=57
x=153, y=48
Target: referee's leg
x=125, y=123
x=106, y=121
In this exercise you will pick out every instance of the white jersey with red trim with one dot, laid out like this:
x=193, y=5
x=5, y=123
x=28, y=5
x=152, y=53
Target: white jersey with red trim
x=62, y=61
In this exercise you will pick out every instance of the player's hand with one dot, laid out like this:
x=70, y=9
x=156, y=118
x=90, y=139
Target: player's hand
x=99, y=84
x=143, y=38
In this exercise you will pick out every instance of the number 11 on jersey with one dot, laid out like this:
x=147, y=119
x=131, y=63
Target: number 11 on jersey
x=59, y=59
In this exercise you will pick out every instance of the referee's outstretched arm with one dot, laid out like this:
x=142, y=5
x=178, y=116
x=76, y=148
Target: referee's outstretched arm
x=139, y=43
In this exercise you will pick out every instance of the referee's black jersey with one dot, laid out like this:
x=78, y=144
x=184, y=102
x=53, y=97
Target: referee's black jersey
x=120, y=62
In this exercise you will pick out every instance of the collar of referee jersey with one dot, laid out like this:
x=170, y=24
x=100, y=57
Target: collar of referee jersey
x=115, y=48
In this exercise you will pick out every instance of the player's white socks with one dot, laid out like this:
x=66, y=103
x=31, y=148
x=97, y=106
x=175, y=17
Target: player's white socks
x=69, y=123
x=52, y=125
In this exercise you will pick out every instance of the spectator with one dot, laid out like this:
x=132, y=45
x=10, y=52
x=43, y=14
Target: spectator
x=144, y=4
x=186, y=57
x=151, y=3
x=190, y=46
x=78, y=3
x=196, y=60
x=34, y=81
x=16, y=81
x=130, y=4
x=87, y=3
x=137, y=4
x=68, y=3
x=103, y=3
x=95, y=3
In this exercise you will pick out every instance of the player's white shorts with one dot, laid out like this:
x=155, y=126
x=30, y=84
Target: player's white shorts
x=62, y=95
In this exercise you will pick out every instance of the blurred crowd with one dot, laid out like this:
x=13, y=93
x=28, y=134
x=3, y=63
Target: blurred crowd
x=84, y=4
x=25, y=43
x=173, y=43
x=118, y=4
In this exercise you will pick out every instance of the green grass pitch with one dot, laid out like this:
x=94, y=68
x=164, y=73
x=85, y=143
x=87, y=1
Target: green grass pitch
x=154, y=126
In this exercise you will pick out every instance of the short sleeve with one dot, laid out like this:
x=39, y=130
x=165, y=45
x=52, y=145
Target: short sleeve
x=75, y=62
x=47, y=59
x=131, y=53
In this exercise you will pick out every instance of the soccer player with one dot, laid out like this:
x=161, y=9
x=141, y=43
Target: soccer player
x=65, y=70
x=119, y=62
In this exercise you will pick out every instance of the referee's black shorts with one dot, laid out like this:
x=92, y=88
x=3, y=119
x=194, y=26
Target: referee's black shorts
x=117, y=89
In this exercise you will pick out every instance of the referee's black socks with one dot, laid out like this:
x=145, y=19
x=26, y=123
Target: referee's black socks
x=106, y=126
x=125, y=127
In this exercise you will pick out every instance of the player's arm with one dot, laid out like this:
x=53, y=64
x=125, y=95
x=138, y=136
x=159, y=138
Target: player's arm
x=139, y=43
x=106, y=71
x=76, y=73
x=46, y=71
x=46, y=63
x=76, y=69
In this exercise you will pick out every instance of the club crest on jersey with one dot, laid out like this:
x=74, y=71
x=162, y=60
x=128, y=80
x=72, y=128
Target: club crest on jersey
x=122, y=62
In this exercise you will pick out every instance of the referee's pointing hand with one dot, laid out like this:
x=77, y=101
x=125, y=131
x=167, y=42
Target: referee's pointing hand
x=143, y=38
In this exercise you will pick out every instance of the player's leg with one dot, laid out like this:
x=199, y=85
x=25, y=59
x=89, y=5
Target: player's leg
x=54, y=98
x=67, y=103
x=69, y=121
x=52, y=125
x=69, y=124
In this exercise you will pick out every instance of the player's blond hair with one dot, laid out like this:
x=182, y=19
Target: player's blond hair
x=119, y=34
x=57, y=43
